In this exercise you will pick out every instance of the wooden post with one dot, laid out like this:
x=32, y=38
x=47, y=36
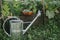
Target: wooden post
x=0, y=2
x=0, y=7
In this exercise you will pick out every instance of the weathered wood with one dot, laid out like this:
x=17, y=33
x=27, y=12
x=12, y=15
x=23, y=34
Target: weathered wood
x=0, y=7
x=0, y=2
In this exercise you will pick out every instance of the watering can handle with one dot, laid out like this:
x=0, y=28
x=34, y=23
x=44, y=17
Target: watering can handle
x=5, y=22
x=39, y=13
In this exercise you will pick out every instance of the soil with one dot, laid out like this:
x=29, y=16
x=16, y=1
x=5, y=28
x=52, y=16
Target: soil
x=30, y=18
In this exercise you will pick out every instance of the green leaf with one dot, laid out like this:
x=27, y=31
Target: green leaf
x=50, y=14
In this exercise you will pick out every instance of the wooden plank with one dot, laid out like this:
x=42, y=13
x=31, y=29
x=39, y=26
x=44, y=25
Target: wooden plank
x=0, y=7
x=0, y=2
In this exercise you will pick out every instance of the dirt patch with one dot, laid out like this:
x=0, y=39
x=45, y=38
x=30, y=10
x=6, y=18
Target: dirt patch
x=30, y=18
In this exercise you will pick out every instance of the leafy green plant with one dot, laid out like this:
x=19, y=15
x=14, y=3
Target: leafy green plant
x=30, y=5
x=16, y=8
x=52, y=7
x=50, y=14
x=5, y=9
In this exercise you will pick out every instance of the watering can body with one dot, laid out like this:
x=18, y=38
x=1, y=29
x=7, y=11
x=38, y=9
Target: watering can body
x=16, y=27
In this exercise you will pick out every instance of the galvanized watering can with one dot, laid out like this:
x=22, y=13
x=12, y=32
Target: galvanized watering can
x=15, y=28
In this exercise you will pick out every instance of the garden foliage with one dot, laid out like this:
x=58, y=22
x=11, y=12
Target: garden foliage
x=50, y=30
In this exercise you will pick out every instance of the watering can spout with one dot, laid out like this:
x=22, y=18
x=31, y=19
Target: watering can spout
x=38, y=14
